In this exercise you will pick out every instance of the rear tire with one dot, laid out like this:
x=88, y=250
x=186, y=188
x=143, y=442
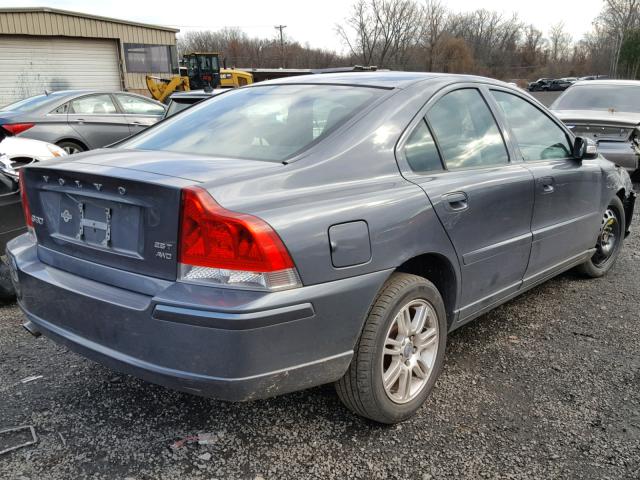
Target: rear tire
x=610, y=241
x=71, y=147
x=396, y=364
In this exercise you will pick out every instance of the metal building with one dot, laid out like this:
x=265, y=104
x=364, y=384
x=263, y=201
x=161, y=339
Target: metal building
x=50, y=49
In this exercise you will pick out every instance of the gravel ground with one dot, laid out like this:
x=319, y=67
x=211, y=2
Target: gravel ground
x=546, y=386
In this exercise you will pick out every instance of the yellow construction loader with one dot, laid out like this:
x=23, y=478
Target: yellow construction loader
x=201, y=70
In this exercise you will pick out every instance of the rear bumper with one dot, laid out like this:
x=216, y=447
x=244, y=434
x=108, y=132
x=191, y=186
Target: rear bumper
x=227, y=344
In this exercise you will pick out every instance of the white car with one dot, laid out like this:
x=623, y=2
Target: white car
x=22, y=151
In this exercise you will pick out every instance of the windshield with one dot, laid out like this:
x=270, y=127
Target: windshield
x=28, y=104
x=620, y=98
x=178, y=105
x=270, y=123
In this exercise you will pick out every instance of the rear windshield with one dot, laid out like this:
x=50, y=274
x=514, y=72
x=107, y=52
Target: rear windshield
x=178, y=105
x=620, y=98
x=270, y=123
x=29, y=104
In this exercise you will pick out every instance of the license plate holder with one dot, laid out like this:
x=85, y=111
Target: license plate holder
x=94, y=225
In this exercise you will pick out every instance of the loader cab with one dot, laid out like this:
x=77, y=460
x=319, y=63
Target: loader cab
x=203, y=70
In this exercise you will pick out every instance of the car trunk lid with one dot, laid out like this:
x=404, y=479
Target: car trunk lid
x=113, y=217
x=121, y=209
x=601, y=125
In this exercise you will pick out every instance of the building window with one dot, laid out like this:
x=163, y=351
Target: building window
x=142, y=58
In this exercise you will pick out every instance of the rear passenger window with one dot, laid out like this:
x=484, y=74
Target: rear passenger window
x=466, y=131
x=538, y=137
x=420, y=150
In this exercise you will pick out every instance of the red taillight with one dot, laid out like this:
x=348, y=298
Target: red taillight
x=213, y=237
x=16, y=128
x=25, y=201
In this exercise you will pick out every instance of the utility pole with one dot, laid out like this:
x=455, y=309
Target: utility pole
x=281, y=28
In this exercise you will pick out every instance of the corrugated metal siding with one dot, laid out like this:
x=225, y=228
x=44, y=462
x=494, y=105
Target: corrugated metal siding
x=29, y=65
x=57, y=24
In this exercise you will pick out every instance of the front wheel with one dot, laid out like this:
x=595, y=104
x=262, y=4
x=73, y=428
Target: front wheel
x=400, y=352
x=609, y=241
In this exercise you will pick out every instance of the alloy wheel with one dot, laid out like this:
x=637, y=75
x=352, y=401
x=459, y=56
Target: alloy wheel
x=71, y=149
x=410, y=350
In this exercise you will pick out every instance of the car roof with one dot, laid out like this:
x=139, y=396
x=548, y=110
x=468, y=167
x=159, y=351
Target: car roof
x=632, y=83
x=380, y=79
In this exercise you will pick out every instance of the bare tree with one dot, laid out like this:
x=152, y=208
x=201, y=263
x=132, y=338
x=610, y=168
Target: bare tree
x=559, y=43
x=382, y=32
x=361, y=32
x=616, y=19
x=435, y=16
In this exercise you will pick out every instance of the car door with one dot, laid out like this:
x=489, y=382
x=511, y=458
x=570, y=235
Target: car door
x=139, y=112
x=484, y=200
x=566, y=217
x=97, y=120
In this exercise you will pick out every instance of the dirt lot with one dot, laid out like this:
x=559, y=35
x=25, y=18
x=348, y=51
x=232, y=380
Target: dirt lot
x=546, y=386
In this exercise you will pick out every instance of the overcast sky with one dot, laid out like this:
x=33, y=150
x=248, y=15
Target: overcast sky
x=307, y=21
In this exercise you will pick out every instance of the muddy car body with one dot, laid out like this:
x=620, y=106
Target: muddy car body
x=350, y=223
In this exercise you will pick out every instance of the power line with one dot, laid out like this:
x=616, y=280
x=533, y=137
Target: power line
x=281, y=28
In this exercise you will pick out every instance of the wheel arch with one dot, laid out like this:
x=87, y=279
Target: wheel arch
x=440, y=271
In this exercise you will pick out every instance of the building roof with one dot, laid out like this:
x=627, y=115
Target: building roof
x=85, y=15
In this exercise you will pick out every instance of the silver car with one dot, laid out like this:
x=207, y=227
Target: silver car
x=608, y=112
x=79, y=120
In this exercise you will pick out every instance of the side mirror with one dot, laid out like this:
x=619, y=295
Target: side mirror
x=584, y=149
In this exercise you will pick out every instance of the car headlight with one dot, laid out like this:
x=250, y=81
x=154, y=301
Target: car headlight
x=56, y=151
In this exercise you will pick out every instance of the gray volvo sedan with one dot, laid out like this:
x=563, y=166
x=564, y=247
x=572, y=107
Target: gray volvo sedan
x=311, y=230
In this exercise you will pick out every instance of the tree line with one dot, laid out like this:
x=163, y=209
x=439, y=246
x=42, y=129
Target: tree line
x=425, y=35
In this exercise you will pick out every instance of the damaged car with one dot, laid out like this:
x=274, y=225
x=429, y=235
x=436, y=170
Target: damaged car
x=313, y=230
x=608, y=112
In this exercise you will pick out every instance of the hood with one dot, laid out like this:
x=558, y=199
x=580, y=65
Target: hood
x=178, y=165
x=600, y=117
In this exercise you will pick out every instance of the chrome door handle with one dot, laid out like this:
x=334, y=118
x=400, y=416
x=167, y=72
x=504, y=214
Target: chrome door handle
x=547, y=184
x=135, y=123
x=456, y=201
